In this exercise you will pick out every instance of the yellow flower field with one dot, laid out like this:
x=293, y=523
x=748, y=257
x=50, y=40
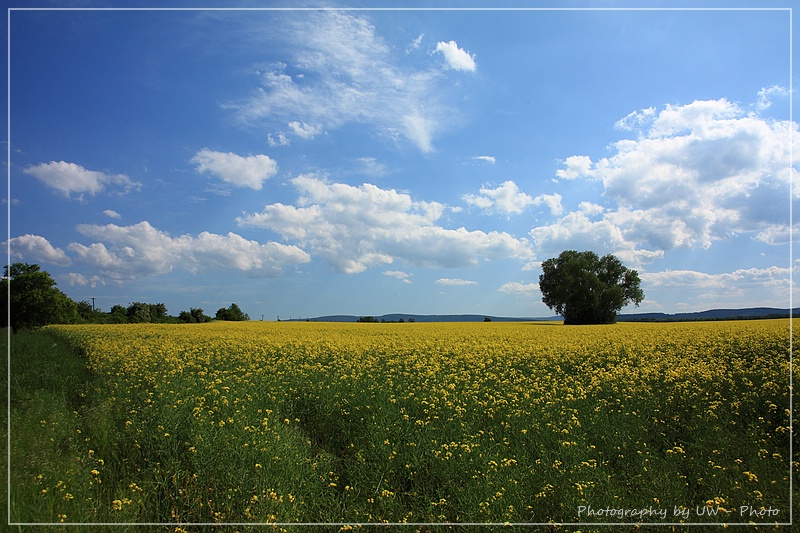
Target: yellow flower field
x=436, y=423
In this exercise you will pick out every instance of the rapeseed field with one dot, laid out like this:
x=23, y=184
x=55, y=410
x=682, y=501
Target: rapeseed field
x=491, y=423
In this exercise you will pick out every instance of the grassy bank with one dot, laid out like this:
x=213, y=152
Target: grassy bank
x=423, y=423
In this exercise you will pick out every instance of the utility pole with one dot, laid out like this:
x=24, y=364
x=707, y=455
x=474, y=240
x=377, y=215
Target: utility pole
x=92, y=303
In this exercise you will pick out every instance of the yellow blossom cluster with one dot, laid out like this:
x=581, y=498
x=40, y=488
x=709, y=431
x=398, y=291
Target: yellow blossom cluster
x=495, y=422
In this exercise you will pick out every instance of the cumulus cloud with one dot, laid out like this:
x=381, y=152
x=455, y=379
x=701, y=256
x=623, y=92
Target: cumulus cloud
x=70, y=178
x=248, y=171
x=342, y=72
x=455, y=57
x=110, y=213
x=354, y=228
x=486, y=159
x=577, y=231
x=455, y=281
x=140, y=250
x=552, y=201
x=695, y=174
x=574, y=167
x=506, y=199
x=37, y=249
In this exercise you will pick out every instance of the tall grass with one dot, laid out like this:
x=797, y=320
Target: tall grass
x=422, y=423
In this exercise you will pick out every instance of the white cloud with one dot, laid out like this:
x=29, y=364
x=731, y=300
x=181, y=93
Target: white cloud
x=552, y=201
x=576, y=231
x=506, y=198
x=281, y=139
x=36, y=249
x=486, y=158
x=349, y=75
x=769, y=286
x=80, y=280
x=697, y=173
x=306, y=131
x=590, y=209
x=635, y=119
x=250, y=171
x=140, y=250
x=413, y=45
x=70, y=178
x=402, y=276
x=420, y=130
x=354, y=228
x=766, y=94
x=372, y=167
x=779, y=234
x=455, y=281
x=110, y=213
x=456, y=58
x=523, y=289
x=576, y=166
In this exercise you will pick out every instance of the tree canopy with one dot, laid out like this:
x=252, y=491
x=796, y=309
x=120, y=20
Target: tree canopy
x=231, y=313
x=587, y=289
x=34, y=299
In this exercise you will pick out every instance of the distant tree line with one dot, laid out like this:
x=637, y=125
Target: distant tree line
x=373, y=320
x=35, y=302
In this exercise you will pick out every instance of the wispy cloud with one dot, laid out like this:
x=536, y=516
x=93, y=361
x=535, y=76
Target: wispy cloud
x=767, y=94
x=455, y=281
x=413, y=45
x=341, y=71
x=402, y=276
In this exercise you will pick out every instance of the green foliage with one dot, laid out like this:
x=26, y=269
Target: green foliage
x=232, y=313
x=118, y=315
x=35, y=301
x=369, y=319
x=587, y=289
x=138, y=312
x=193, y=315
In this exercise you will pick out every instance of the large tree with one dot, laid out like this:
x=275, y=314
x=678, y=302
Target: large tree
x=34, y=299
x=587, y=289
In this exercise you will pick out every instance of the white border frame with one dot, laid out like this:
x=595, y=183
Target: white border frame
x=789, y=10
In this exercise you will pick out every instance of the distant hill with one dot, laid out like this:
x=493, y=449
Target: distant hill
x=711, y=314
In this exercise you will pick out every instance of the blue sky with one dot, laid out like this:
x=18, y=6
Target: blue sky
x=311, y=162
